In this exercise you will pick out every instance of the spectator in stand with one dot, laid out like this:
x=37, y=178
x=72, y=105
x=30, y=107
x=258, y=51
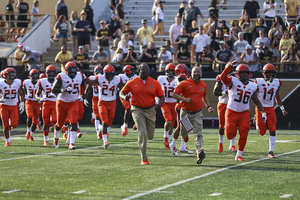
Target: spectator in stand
x=282, y=26
x=190, y=14
x=201, y=40
x=114, y=26
x=81, y=59
x=194, y=30
x=112, y=5
x=239, y=46
x=215, y=41
x=266, y=56
x=168, y=46
x=19, y=54
x=183, y=40
x=224, y=28
x=260, y=42
x=174, y=32
x=129, y=32
x=184, y=57
x=228, y=42
x=61, y=9
x=250, y=59
x=153, y=52
x=22, y=8
x=233, y=35
x=61, y=28
x=153, y=19
x=291, y=10
x=32, y=59
x=260, y=27
x=83, y=29
x=120, y=14
x=114, y=47
x=212, y=29
x=236, y=26
x=285, y=43
x=130, y=57
x=246, y=27
x=125, y=43
x=206, y=57
x=146, y=57
x=294, y=35
x=164, y=57
x=63, y=57
x=35, y=12
x=269, y=10
x=223, y=56
x=291, y=60
x=9, y=10
x=274, y=40
x=73, y=21
x=103, y=36
x=206, y=26
x=100, y=57
x=89, y=16
x=213, y=10
x=252, y=8
x=117, y=59
x=181, y=11
x=159, y=16
x=145, y=34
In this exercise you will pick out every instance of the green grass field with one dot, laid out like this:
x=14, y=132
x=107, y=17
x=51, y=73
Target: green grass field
x=30, y=170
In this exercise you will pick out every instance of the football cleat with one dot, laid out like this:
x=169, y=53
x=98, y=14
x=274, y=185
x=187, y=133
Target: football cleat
x=7, y=144
x=99, y=136
x=27, y=135
x=220, y=148
x=65, y=136
x=105, y=145
x=72, y=146
x=67, y=145
x=145, y=162
x=200, y=157
x=46, y=143
x=31, y=138
x=56, y=143
x=239, y=158
x=173, y=149
x=232, y=148
x=166, y=142
x=271, y=155
x=124, y=130
x=64, y=129
x=134, y=127
x=185, y=150
x=79, y=134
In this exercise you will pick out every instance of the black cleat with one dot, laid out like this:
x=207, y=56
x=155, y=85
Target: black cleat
x=200, y=157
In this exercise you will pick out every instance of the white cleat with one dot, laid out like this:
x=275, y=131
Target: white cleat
x=105, y=145
x=72, y=146
x=185, y=150
x=173, y=149
x=56, y=143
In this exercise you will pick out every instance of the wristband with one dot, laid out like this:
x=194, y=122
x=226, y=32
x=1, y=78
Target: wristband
x=62, y=90
x=282, y=108
x=208, y=107
x=224, y=92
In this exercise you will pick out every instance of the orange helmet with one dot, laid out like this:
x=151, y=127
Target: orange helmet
x=9, y=73
x=51, y=71
x=34, y=74
x=181, y=77
x=42, y=75
x=1, y=74
x=269, y=71
x=170, y=70
x=242, y=68
x=98, y=70
x=128, y=69
x=71, y=69
x=181, y=69
x=109, y=72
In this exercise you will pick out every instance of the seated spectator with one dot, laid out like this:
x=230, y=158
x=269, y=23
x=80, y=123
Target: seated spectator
x=224, y=27
x=125, y=43
x=285, y=43
x=63, y=57
x=250, y=59
x=114, y=26
x=83, y=29
x=260, y=42
x=149, y=54
x=274, y=40
x=61, y=28
x=260, y=27
x=206, y=58
x=168, y=46
x=291, y=60
x=223, y=56
x=129, y=32
x=164, y=57
x=81, y=59
x=117, y=59
x=32, y=59
x=228, y=42
x=282, y=26
x=130, y=57
x=184, y=57
x=246, y=27
x=236, y=26
x=19, y=54
x=239, y=46
x=266, y=56
x=100, y=57
x=114, y=47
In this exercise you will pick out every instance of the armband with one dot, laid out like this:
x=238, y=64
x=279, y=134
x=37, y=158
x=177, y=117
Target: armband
x=282, y=108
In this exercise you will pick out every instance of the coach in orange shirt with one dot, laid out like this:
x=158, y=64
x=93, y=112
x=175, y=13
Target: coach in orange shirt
x=143, y=89
x=192, y=92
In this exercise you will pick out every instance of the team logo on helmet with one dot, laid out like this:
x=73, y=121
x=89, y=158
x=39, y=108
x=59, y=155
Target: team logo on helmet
x=242, y=68
x=9, y=73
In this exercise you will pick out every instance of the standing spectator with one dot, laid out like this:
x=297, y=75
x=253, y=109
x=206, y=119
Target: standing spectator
x=129, y=32
x=215, y=40
x=233, y=35
x=125, y=43
x=285, y=43
x=61, y=9
x=273, y=37
x=175, y=31
x=164, y=57
x=223, y=56
x=120, y=13
x=83, y=29
x=22, y=8
x=269, y=10
x=73, y=21
x=130, y=56
x=32, y=58
x=250, y=59
x=63, y=57
x=295, y=35
x=260, y=42
x=291, y=61
x=160, y=20
x=19, y=54
x=117, y=59
x=236, y=26
x=206, y=57
x=143, y=92
x=192, y=93
x=260, y=27
x=103, y=35
x=213, y=10
x=81, y=59
x=200, y=40
x=183, y=40
x=9, y=10
x=246, y=27
x=184, y=57
x=61, y=28
x=228, y=42
x=191, y=13
x=153, y=19
x=266, y=56
x=114, y=26
x=291, y=10
x=181, y=12
x=252, y=8
x=112, y=5
x=239, y=46
x=279, y=20
x=114, y=47
x=194, y=30
x=149, y=55
x=206, y=26
x=35, y=12
x=224, y=28
x=89, y=15
x=145, y=34
x=100, y=57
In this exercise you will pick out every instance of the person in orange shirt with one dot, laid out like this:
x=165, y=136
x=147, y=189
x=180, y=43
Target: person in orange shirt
x=192, y=93
x=143, y=91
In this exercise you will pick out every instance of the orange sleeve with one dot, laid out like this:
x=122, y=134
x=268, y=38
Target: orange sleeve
x=82, y=89
x=126, y=88
x=179, y=87
x=224, y=76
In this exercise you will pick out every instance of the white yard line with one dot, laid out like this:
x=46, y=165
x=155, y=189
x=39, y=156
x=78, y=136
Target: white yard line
x=10, y=191
x=79, y=192
x=201, y=176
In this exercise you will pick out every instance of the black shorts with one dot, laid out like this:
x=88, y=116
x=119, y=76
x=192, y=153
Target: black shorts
x=83, y=41
x=12, y=24
x=22, y=25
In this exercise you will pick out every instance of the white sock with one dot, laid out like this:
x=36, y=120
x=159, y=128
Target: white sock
x=169, y=138
x=272, y=140
x=68, y=137
x=56, y=133
x=100, y=127
x=8, y=140
x=221, y=139
x=126, y=125
x=45, y=138
x=97, y=123
x=174, y=142
x=31, y=133
x=73, y=135
x=104, y=137
x=78, y=126
x=183, y=143
x=108, y=129
x=166, y=133
x=232, y=142
x=239, y=153
x=28, y=129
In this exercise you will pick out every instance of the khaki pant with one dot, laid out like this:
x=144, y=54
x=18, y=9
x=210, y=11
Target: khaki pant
x=145, y=122
x=196, y=120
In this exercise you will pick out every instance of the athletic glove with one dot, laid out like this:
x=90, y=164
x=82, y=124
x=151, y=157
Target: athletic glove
x=67, y=89
x=42, y=99
x=52, y=95
x=86, y=103
x=21, y=107
x=264, y=117
x=80, y=98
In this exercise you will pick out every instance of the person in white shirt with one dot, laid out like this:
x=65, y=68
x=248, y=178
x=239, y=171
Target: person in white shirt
x=159, y=16
x=164, y=57
x=200, y=40
x=269, y=10
x=125, y=43
x=239, y=46
x=174, y=32
x=249, y=58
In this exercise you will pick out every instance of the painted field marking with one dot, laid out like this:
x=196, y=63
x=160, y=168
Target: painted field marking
x=203, y=175
x=286, y=196
x=215, y=194
x=10, y=191
x=79, y=192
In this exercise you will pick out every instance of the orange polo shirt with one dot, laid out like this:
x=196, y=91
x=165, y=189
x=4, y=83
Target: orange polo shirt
x=191, y=89
x=143, y=92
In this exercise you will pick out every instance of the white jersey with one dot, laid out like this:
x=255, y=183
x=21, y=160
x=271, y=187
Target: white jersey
x=108, y=89
x=94, y=87
x=125, y=79
x=222, y=99
x=31, y=89
x=240, y=95
x=47, y=88
x=266, y=91
x=168, y=88
x=10, y=92
x=68, y=82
